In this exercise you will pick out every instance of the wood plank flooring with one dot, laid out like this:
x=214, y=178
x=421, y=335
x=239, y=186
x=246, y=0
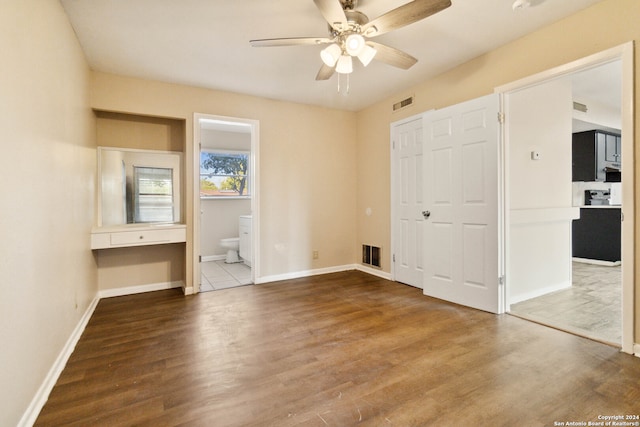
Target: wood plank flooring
x=335, y=350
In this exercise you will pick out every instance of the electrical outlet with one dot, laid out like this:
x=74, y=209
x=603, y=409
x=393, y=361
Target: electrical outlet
x=316, y=255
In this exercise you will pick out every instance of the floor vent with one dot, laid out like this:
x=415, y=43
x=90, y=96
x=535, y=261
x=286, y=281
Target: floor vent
x=403, y=104
x=371, y=255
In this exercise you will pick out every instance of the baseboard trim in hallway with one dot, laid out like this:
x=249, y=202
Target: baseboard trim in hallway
x=40, y=399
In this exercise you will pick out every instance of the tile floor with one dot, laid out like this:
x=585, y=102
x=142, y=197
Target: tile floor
x=592, y=307
x=216, y=275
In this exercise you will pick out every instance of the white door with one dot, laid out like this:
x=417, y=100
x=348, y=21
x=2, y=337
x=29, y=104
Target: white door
x=408, y=162
x=461, y=195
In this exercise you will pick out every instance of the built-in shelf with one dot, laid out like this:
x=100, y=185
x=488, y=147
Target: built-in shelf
x=137, y=235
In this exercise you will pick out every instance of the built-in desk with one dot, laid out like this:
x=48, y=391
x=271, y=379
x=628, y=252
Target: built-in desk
x=137, y=235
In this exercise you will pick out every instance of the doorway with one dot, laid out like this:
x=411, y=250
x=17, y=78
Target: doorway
x=527, y=263
x=225, y=163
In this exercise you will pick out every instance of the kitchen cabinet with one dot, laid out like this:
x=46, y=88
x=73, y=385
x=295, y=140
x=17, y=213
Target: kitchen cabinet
x=597, y=234
x=596, y=156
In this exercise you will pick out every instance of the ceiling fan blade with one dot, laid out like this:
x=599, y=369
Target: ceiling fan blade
x=293, y=41
x=404, y=15
x=392, y=56
x=325, y=72
x=332, y=12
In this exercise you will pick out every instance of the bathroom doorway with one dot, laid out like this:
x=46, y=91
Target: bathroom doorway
x=226, y=201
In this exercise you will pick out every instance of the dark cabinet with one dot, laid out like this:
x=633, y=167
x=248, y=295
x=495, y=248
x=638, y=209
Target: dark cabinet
x=596, y=156
x=596, y=235
x=611, y=148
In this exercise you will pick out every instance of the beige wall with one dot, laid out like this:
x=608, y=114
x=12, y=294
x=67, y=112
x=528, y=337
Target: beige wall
x=565, y=41
x=47, y=272
x=307, y=167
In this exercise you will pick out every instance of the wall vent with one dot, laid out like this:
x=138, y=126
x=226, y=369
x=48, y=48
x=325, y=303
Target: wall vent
x=403, y=104
x=579, y=107
x=371, y=256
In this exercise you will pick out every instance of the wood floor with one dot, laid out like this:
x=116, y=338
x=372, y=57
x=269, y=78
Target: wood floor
x=336, y=350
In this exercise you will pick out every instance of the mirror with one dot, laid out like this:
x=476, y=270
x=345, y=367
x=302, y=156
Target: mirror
x=138, y=186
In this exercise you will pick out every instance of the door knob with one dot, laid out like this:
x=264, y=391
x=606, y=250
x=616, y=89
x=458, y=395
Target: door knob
x=426, y=214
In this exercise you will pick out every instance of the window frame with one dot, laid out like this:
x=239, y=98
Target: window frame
x=248, y=185
x=140, y=206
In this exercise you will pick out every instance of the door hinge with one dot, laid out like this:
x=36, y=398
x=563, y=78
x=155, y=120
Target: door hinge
x=621, y=216
x=199, y=258
x=501, y=280
x=394, y=257
x=501, y=117
x=393, y=144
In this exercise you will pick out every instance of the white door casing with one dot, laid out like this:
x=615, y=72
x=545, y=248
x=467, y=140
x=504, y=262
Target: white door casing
x=407, y=140
x=461, y=183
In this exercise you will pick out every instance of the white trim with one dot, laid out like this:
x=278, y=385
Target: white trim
x=582, y=64
x=636, y=350
x=210, y=258
x=624, y=53
x=539, y=292
x=597, y=262
x=532, y=216
x=304, y=273
x=131, y=290
x=374, y=272
x=37, y=403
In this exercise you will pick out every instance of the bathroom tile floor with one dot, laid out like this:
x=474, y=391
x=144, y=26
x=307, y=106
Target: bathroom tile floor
x=592, y=307
x=216, y=275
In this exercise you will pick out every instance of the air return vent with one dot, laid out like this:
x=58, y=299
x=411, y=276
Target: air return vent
x=579, y=107
x=403, y=104
x=371, y=255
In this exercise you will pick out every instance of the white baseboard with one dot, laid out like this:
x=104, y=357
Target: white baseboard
x=209, y=258
x=187, y=290
x=117, y=292
x=597, y=262
x=538, y=293
x=37, y=403
x=305, y=273
x=373, y=271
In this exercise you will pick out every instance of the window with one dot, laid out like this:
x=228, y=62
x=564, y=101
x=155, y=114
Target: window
x=224, y=174
x=153, y=194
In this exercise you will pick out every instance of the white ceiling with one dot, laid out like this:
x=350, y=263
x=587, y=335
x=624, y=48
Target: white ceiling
x=205, y=43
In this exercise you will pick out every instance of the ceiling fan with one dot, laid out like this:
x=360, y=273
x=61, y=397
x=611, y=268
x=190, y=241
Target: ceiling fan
x=350, y=31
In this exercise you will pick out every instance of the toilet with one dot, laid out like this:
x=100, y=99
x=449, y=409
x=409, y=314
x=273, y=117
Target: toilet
x=231, y=245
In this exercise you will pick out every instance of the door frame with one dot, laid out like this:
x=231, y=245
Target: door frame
x=625, y=54
x=254, y=173
x=395, y=234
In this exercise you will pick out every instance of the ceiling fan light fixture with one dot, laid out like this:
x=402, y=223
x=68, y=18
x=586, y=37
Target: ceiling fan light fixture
x=331, y=54
x=367, y=54
x=521, y=4
x=344, y=65
x=354, y=44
